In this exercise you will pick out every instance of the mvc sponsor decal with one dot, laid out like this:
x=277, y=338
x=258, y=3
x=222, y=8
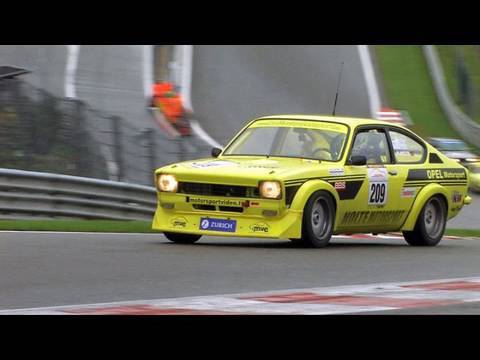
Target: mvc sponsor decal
x=179, y=222
x=261, y=227
x=218, y=225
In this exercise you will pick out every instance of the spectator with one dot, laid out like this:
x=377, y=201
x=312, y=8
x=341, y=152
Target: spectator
x=170, y=104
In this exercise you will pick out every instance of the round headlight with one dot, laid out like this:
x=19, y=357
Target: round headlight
x=270, y=189
x=167, y=183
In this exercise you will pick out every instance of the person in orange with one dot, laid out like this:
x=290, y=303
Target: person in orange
x=170, y=104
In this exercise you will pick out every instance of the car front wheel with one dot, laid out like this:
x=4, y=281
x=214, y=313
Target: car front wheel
x=430, y=224
x=182, y=238
x=318, y=220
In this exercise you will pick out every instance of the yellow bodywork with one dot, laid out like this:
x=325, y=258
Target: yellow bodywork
x=409, y=187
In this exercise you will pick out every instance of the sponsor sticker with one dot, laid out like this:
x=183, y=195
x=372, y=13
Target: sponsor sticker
x=218, y=224
x=377, y=186
x=336, y=172
x=214, y=202
x=377, y=174
x=456, y=197
x=307, y=124
x=209, y=164
x=261, y=227
x=340, y=185
x=179, y=222
x=408, y=192
x=372, y=217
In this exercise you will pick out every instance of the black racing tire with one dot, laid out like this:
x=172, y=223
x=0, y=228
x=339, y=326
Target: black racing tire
x=180, y=238
x=298, y=242
x=318, y=219
x=430, y=225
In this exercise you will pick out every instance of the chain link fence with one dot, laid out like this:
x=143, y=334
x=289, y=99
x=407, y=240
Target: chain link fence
x=40, y=132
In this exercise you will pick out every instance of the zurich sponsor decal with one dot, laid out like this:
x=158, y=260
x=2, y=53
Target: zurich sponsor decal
x=218, y=225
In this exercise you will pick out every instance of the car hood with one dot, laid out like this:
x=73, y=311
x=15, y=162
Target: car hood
x=243, y=170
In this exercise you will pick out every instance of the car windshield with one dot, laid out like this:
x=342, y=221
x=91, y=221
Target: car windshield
x=451, y=145
x=291, y=138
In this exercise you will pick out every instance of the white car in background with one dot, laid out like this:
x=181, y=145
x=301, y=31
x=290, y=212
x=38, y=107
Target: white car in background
x=454, y=149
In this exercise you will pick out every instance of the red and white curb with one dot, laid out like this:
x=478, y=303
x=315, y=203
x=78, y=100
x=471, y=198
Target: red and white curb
x=315, y=301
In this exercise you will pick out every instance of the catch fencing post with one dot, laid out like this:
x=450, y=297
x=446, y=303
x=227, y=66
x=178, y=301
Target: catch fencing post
x=118, y=146
x=151, y=153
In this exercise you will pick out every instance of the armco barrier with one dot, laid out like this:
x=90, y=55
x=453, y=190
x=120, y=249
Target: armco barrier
x=36, y=195
x=466, y=127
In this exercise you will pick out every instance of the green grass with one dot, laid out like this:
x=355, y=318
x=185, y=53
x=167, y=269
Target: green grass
x=78, y=225
x=463, y=232
x=408, y=87
x=471, y=54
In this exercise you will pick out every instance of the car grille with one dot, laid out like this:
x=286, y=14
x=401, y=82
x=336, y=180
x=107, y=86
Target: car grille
x=218, y=190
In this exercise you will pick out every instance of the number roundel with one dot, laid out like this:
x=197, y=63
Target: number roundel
x=377, y=193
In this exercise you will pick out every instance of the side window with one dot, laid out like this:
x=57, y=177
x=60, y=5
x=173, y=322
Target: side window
x=373, y=145
x=406, y=149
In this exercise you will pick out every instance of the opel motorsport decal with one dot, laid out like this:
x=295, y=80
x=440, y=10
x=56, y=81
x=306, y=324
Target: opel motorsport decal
x=437, y=175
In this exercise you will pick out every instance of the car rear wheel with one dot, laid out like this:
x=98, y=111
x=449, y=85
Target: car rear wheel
x=430, y=224
x=182, y=238
x=318, y=220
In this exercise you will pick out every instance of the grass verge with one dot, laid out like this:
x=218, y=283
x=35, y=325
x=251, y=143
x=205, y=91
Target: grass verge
x=408, y=86
x=462, y=232
x=78, y=226
x=471, y=55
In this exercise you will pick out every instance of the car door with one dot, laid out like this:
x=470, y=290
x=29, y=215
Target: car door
x=409, y=154
x=375, y=206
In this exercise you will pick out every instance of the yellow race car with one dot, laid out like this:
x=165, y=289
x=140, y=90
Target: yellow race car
x=474, y=175
x=305, y=178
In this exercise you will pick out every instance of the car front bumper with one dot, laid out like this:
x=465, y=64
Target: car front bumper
x=181, y=217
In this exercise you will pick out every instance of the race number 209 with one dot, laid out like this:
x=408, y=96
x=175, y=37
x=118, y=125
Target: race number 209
x=377, y=194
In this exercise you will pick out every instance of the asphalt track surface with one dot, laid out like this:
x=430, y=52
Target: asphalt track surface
x=52, y=269
x=233, y=84
x=469, y=217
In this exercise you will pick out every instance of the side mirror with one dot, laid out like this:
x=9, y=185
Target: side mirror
x=358, y=160
x=216, y=152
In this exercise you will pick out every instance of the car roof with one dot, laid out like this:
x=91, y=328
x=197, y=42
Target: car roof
x=352, y=121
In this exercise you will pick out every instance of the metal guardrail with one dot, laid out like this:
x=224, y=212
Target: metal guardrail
x=466, y=127
x=36, y=195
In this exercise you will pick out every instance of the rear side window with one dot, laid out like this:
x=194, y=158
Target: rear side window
x=406, y=149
